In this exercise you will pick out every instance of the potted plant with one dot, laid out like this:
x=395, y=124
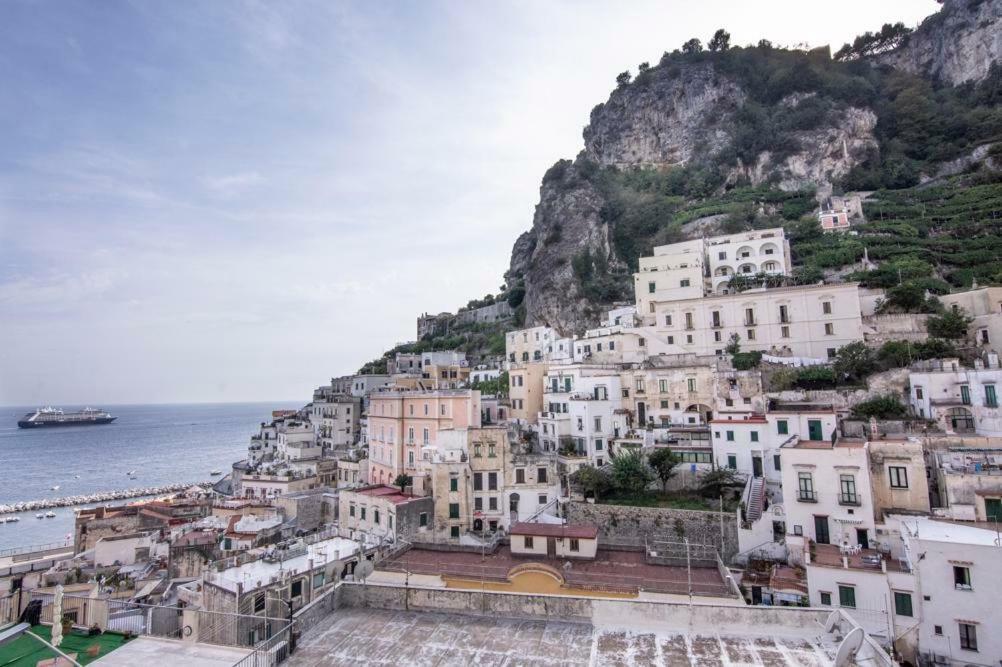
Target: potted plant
x=67, y=623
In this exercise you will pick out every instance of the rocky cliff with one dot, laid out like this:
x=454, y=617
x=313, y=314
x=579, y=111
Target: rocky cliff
x=956, y=45
x=757, y=117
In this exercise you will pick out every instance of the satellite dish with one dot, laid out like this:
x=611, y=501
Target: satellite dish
x=364, y=569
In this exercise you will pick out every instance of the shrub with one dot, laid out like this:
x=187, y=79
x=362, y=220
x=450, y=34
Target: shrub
x=951, y=324
x=881, y=407
x=744, y=361
x=815, y=377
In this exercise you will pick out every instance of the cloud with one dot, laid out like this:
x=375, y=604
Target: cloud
x=233, y=184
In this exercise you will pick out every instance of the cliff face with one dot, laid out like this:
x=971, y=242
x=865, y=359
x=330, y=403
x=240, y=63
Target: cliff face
x=664, y=118
x=567, y=223
x=956, y=45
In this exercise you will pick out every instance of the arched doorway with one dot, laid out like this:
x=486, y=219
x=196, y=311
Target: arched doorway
x=513, y=506
x=702, y=410
x=478, y=525
x=961, y=420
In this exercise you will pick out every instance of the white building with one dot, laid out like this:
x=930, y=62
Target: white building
x=746, y=254
x=962, y=400
x=807, y=321
x=580, y=409
x=534, y=344
x=956, y=608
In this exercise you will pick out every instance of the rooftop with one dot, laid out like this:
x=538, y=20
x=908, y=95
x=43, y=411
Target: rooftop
x=390, y=493
x=830, y=555
x=935, y=530
x=257, y=573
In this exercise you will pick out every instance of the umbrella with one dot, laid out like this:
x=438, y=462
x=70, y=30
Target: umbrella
x=57, y=616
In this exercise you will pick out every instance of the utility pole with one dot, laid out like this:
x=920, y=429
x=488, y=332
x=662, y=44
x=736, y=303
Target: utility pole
x=688, y=568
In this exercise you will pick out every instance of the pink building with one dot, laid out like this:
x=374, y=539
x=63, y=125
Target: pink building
x=402, y=423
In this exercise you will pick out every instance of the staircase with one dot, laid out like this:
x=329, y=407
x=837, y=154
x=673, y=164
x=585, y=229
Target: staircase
x=756, y=500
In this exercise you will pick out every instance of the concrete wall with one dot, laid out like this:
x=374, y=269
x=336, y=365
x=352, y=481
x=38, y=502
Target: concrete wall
x=633, y=525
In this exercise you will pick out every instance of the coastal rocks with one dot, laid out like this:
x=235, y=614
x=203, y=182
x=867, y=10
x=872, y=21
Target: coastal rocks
x=958, y=44
x=70, y=501
x=667, y=117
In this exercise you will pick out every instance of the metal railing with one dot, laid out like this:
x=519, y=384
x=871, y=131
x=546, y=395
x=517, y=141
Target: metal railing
x=271, y=651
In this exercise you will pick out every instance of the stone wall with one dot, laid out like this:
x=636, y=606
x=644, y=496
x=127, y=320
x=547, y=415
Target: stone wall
x=639, y=525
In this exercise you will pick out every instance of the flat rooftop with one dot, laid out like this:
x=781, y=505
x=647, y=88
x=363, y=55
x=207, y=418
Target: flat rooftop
x=623, y=571
x=258, y=573
x=353, y=636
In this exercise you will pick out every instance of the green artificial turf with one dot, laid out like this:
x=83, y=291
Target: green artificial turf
x=26, y=651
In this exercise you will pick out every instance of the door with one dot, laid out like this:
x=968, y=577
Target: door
x=756, y=464
x=821, y=530
x=862, y=538
x=641, y=414
x=551, y=547
x=814, y=429
x=993, y=509
x=756, y=595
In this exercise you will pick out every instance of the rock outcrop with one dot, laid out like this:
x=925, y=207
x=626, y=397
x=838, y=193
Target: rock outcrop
x=957, y=44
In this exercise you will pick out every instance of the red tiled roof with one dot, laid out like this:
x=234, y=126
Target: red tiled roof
x=390, y=493
x=555, y=530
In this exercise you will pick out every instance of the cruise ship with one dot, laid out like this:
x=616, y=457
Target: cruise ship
x=56, y=417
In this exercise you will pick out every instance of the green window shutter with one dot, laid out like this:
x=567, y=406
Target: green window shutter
x=902, y=604
x=783, y=427
x=847, y=596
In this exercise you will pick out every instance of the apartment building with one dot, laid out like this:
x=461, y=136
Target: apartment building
x=530, y=345
x=985, y=306
x=956, y=606
x=581, y=413
x=969, y=483
x=403, y=424
x=669, y=390
x=805, y=321
x=962, y=400
x=693, y=269
x=525, y=391
x=383, y=512
x=335, y=418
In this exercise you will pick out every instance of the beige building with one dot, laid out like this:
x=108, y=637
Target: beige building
x=525, y=391
x=403, y=424
x=383, y=512
x=898, y=477
x=530, y=345
x=809, y=321
x=985, y=306
x=544, y=540
x=669, y=390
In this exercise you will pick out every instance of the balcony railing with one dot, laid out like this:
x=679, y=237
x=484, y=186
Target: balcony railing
x=848, y=499
x=806, y=496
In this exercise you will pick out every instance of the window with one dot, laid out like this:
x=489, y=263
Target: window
x=492, y=481
x=716, y=336
x=688, y=321
x=937, y=630
x=667, y=320
x=691, y=383
x=754, y=436
x=362, y=513
x=351, y=510
x=991, y=399
x=918, y=393
x=375, y=516
x=776, y=461
x=259, y=603
x=965, y=394
x=527, y=540
x=641, y=342
x=684, y=282
x=575, y=545
x=968, y=636
x=751, y=334
x=423, y=519
x=663, y=388
x=721, y=255
x=296, y=590
x=478, y=503
x=962, y=577
x=453, y=510
x=478, y=481
x=847, y=488
x=651, y=288
x=784, y=314
x=899, y=477
x=806, y=487
x=671, y=340
x=829, y=329
x=716, y=318
x=598, y=445
x=826, y=307
x=520, y=475
x=612, y=345
x=832, y=352
x=492, y=504
x=784, y=332
x=542, y=499
x=732, y=461
x=453, y=484
x=541, y=475
x=903, y=604
x=826, y=599
x=847, y=596
x=318, y=580
x=454, y=532
x=730, y=436
x=782, y=427
x=749, y=317
x=598, y=424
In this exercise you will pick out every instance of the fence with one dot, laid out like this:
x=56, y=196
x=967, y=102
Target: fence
x=270, y=652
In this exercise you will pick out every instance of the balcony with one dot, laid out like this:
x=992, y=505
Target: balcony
x=716, y=324
x=849, y=499
x=805, y=496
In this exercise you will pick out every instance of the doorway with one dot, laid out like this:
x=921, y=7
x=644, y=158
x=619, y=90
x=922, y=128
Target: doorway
x=821, y=530
x=756, y=464
x=814, y=429
x=862, y=538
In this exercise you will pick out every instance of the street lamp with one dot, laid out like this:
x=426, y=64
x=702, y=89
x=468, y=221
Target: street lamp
x=15, y=632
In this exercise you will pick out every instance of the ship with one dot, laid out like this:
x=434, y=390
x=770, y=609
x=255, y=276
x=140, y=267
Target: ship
x=56, y=417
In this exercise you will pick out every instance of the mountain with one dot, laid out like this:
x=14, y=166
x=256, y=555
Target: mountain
x=734, y=138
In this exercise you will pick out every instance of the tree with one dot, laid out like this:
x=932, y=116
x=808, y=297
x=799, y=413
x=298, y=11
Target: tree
x=630, y=473
x=663, y=462
x=643, y=67
x=854, y=362
x=881, y=407
x=713, y=482
x=951, y=325
x=721, y=41
x=764, y=44
x=734, y=346
x=403, y=481
x=589, y=479
x=623, y=78
x=692, y=46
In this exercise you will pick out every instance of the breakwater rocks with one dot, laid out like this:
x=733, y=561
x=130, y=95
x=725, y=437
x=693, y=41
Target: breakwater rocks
x=101, y=497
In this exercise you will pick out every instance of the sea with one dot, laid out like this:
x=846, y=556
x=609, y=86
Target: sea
x=164, y=444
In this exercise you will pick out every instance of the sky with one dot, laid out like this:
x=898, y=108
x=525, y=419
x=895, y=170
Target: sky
x=235, y=201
